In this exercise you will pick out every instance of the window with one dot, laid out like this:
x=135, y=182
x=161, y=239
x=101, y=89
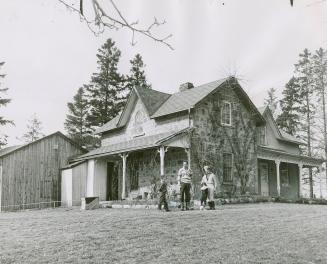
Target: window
x=227, y=167
x=226, y=113
x=139, y=118
x=262, y=135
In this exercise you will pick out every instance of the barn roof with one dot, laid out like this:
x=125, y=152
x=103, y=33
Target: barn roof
x=9, y=150
x=133, y=144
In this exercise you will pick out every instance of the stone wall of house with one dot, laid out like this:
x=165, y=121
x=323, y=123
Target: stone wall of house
x=140, y=124
x=209, y=141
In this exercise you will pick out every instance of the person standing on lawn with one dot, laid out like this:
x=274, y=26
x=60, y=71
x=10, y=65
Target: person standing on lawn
x=163, y=194
x=211, y=183
x=184, y=180
x=204, y=192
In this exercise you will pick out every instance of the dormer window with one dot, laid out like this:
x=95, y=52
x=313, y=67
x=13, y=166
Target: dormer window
x=226, y=113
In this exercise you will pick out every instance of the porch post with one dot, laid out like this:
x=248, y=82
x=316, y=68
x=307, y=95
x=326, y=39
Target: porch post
x=162, y=150
x=90, y=178
x=188, y=152
x=123, y=193
x=278, y=176
x=300, y=179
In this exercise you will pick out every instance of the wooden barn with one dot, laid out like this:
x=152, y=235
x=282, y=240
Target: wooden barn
x=30, y=173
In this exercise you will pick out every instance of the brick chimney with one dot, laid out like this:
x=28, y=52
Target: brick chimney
x=185, y=86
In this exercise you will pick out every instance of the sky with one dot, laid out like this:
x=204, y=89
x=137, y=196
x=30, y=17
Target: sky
x=50, y=53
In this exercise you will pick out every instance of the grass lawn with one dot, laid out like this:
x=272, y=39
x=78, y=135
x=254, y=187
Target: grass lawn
x=252, y=233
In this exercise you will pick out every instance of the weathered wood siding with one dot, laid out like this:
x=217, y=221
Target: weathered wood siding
x=31, y=175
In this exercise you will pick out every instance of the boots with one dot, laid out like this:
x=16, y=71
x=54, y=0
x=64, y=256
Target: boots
x=183, y=206
x=211, y=205
x=187, y=206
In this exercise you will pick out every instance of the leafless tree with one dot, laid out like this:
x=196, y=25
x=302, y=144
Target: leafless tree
x=101, y=19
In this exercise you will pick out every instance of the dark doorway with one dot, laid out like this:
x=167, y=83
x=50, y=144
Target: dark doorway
x=112, y=181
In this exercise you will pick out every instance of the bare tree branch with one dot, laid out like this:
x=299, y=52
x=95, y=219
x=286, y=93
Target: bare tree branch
x=103, y=20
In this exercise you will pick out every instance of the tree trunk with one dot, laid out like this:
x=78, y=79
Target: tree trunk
x=325, y=121
x=309, y=144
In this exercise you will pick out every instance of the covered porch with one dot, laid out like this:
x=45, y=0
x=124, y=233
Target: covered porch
x=130, y=169
x=281, y=173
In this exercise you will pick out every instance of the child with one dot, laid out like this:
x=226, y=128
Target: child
x=204, y=192
x=163, y=193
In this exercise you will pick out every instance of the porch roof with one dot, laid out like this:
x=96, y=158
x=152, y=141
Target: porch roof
x=283, y=156
x=138, y=143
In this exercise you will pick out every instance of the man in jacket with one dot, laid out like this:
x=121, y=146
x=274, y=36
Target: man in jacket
x=184, y=179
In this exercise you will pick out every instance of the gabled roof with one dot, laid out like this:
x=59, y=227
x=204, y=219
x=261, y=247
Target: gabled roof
x=137, y=143
x=185, y=100
x=9, y=150
x=282, y=135
x=161, y=104
x=151, y=99
x=112, y=124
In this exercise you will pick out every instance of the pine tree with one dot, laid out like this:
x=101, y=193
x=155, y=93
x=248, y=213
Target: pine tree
x=289, y=118
x=106, y=90
x=137, y=76
x=76, y=123
x=3, y=102
x=271, y=100
x=319, y=60
x=304, y=72
x=34, y=130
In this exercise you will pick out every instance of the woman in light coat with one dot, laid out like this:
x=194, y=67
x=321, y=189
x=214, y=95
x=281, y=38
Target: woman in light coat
x=209, y=179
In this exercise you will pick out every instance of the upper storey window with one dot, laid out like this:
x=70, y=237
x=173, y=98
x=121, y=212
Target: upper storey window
x=262, y=140
x=226, y=113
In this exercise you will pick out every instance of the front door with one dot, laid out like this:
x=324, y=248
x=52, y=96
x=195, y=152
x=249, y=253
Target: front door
x=112, y=181
x=264, y=180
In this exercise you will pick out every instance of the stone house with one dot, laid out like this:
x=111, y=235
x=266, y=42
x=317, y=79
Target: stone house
x=215, y=123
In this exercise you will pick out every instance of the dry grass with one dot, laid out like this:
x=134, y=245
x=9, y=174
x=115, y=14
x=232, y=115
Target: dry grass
x=257, y=233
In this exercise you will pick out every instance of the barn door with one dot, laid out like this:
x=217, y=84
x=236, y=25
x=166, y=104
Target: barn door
x=112, y=181
x=264, y=180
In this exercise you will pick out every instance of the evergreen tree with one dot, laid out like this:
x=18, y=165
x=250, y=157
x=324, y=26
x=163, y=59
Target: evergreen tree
x=34, y=130
x=137, y=76
x=106, y=90
x=76, y=123
x=271, y=100
x=3, y=102
x=304, y=72
x=319, y=60
x=289, y=118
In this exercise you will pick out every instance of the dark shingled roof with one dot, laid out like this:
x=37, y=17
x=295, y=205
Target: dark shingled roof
x=112, y=124
x=185, y=100
x=151, y=99
x=133, y=144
